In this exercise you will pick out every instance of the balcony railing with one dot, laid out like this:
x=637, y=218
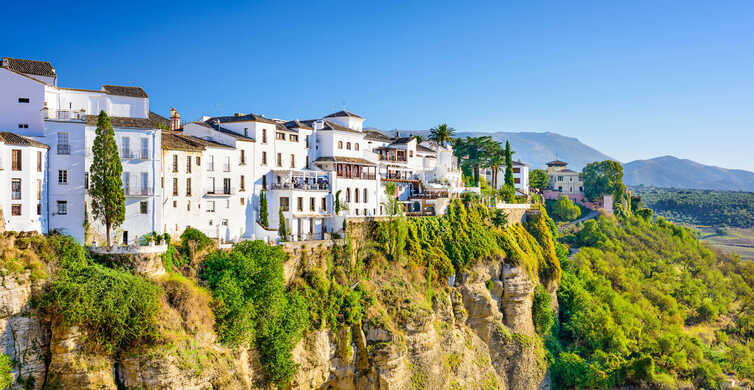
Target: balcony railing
x=363, y=176
x=138, y=191
x=66, y=115
x=226, y=191
x=127, y=155
x=430, y=195
x=323, y=186
x=398, y=176
x=226, y=167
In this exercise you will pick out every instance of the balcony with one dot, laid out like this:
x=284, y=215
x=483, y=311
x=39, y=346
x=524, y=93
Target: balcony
x=134, y=191
x=227, y=191
x=398, y=175
x=430, y=195
x=361, y=175
x=65, y=115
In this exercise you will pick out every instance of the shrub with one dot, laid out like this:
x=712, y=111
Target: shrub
x=6, y=371
x=253, y=305
x=563, y=209
x=542, y=313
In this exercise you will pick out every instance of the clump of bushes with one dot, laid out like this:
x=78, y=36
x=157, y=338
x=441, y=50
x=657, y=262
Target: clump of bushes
x=116, y=308
x=563, y=209
x=253, y=306
x=6, y=371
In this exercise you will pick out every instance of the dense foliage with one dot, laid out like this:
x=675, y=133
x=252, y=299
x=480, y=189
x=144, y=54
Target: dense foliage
x=603, y=178
x=538, y=179
x=253, y=306
x=106, y=189
x=642, y=304
x=563, y=209
x=6, y=371
x=700, y=207
x=115, y=307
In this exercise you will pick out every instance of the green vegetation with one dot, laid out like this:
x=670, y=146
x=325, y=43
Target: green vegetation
x=264, y=214
x=603, y=178
x=106, y=189
x=282, y=229
x=442, y=134
x=700, y=207
x=642, y=304
x=538, y=179
x=563, y=209
x=116, y=308
x=6, y=371
x=253, y=306
x=509, y=181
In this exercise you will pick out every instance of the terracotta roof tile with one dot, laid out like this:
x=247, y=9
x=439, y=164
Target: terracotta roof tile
x=39, y=68
x=353, y=160
x=125, y=122
x=343, y=113
x=244, y=118
x=9, y=138
x=124, y=91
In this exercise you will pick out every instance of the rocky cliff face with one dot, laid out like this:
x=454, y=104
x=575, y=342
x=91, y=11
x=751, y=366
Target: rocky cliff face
x=475, y=333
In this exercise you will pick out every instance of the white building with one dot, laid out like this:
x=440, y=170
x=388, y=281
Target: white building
x=33, y=104
x=23, y=170
x=520, y=177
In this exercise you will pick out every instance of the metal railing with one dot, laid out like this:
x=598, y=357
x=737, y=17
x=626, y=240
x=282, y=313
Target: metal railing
x=364, y=176
x=430, y=195
x=301, y=186
x=138, y=191
x=220, y=191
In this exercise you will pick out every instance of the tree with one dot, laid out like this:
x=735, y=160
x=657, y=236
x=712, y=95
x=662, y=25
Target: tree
x=264, y=214
x=338, y=204
x=563, y=209
x=106, y=190
x=495, y=158
x=471, y=151
x=509, y=165
x=395, y=230
x=538, y=179
x=441, y=134
x=282, y=229
x=603, y=178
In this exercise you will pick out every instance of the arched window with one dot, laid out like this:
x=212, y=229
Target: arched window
x=356, y=146
x=356, y=195
x=365, y=197
x=348, y=145
x=340, y=144
x=348, y=195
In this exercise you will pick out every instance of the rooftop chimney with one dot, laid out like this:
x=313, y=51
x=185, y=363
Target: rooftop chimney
x=175, y=119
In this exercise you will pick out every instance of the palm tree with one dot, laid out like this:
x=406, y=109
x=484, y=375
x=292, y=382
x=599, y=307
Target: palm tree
x=441, y=134
x=495, y=158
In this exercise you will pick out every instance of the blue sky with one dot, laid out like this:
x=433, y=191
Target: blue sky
x=633, y=79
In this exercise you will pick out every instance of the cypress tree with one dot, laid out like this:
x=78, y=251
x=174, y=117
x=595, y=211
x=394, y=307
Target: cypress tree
x=263, y=213
x=106, y=190
x=509, y=165
x=283, y=229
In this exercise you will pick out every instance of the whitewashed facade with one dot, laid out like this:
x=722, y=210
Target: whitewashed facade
x=520, y=177
x=23, y=170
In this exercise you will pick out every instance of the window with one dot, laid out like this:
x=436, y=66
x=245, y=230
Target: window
x=365, y=196
x=264, y=182
x=62, y=207
x=300, y=204
x=16, y=159
x=39, y=161
x=264, y=136
x=516, y=170
x=188, y=164
x=211, y=206
x=15, y=189
x=307, y=141
x=348, y=195
x=198, y=161
x=39, y=189
x=280, y=136
x=264, y=158
x=242, y=185
x=245, y=131
x=357, y=211
x=175, y=203
x=356, y=146
x=348, y=146
x=126, y=147
x=175, y=162
x=411, y=153
x=188, y=186
x=243, y=201
x=324, y=204
x=175, y=186
x=560, y=178
x=15, y=210
x=144, y=148
x=312, y=205
x=39, y=208
x=293, y=138
x=143, y=207
x=356, y=195
x=211, y=165
x=226, y=166
x=86, y=180
x=293, y=161
x=340, y=144
x=62, y=176
x=280, y=160
x=307, y=162
x=226, y=186
x=243, y=157
x=23, y=125
x=284, y=203
x=23, y=100
x=188, y=205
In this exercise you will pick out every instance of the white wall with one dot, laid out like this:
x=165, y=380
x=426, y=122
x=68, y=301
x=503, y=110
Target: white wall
x=30, y=175
x=13, y=113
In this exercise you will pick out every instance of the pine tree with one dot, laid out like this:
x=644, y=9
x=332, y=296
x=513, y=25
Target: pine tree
x=263, y=213
x=509, y=165
x=283, y=230
x=106, y=190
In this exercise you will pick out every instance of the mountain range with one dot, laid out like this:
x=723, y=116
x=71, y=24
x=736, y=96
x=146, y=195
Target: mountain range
x=537, y=148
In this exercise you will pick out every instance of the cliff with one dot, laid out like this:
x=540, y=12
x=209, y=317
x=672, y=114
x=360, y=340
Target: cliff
x=472, y=329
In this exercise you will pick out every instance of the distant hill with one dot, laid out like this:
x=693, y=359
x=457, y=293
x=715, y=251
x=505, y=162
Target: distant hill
x=536, y=149
x=672, y=172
